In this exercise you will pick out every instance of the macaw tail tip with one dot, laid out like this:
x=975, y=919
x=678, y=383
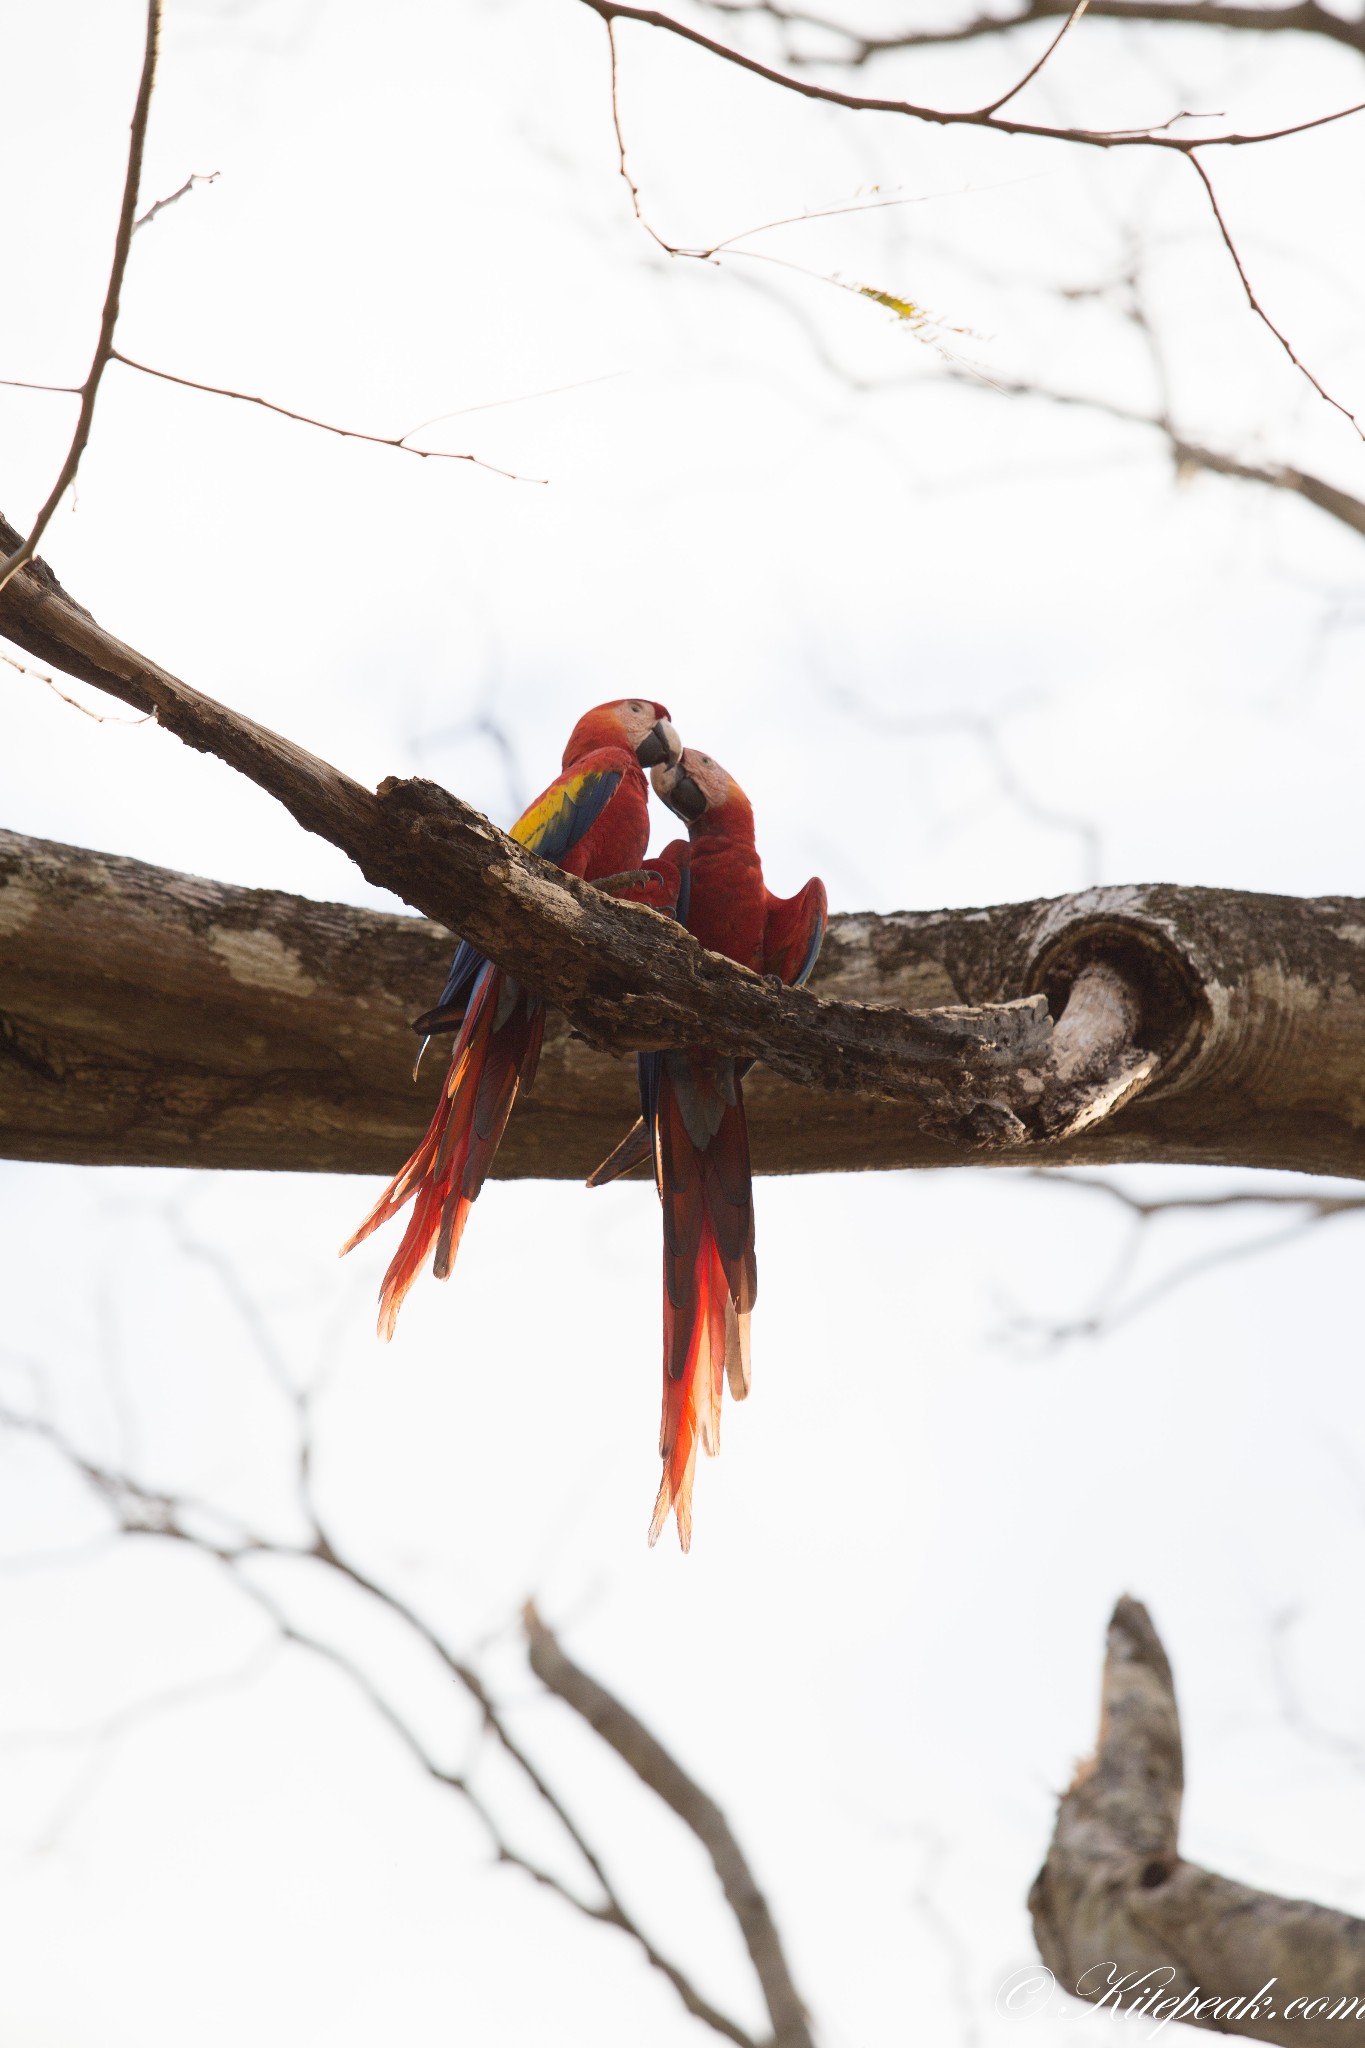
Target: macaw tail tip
x=682, y=1508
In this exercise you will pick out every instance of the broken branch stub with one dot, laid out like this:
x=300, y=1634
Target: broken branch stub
x=1120, y=1916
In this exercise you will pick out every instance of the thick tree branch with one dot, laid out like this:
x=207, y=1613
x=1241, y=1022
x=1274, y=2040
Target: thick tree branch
x=1116, y=1904
x=157, y=1019
x=1249, y=1011
x=645, y=1754
x=623, y=975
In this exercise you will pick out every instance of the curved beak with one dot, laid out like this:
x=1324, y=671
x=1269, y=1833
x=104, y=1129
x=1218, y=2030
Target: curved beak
x=675, y=787
x=660, y=747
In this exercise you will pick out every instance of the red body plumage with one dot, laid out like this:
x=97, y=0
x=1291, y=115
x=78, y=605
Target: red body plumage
x=694, y=1109
x=593, y=821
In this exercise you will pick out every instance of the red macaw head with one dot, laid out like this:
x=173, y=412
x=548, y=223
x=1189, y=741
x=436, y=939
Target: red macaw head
x=631, y=722
x=698, y=790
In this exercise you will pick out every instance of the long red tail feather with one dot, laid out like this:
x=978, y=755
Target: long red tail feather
x=710, y=1274
x=494, y=1058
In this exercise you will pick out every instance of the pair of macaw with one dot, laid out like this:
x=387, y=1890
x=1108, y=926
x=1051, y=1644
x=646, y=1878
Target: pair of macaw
x=593, y=821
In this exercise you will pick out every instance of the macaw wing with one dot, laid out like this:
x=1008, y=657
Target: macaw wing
x=557, y=820
x=445, y=1014
x=795, y=932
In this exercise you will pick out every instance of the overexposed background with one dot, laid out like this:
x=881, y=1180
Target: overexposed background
x=959, y=648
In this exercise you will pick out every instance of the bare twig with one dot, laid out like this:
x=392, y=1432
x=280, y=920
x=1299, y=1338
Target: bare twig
x=160, y=205
x=622, y=165
x=1077, y=11
x=984, y=730
x=398, y=441
x=104, y=347
x=989, y=119
x=1321, y=1207
x=1151, y=137
x=652, y=1764
x=1255, y=304
x=27, y=384
x=1189, y=454
x=138, y=1510
x=1301, y=17
x=1109, y=1313
x=100, y=717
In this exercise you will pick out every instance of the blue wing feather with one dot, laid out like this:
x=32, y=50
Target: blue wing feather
x=552, y=827
x=570, y=807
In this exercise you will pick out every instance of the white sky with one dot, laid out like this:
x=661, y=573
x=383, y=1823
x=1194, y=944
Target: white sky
x=883, y=1655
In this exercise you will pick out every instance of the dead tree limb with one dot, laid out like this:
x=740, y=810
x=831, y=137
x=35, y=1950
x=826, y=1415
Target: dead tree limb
x=1122, y=1919
x=1221, y=1027
x=151, y=1018
x=622, y=1731
x=217, y=1536
x=622, y=975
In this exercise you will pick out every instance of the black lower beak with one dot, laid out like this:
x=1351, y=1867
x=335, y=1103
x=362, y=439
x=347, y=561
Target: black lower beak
x=660, y=747
x=685, y=798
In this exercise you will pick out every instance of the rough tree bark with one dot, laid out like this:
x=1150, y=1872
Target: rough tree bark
x=150, y=1017
x=1116, y=1902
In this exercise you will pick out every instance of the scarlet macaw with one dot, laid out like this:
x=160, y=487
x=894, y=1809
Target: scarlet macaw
x=592, y=821
x=693, y=1122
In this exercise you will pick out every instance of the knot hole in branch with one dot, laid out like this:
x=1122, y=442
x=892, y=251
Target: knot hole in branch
x=1172, y=1015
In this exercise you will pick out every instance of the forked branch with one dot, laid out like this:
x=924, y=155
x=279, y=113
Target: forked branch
x=990, y=119
x=652, y=1764
x=1125, y=1922
x=624, y=976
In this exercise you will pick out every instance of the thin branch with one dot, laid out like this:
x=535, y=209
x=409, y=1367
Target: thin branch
x=1258, y=309
x=1152, y=137
x=100, y=717
x=398, y=441
x=983, y=728
x=1302, y=17
x=622, y=165
x=1100, y=1322
x=1322, y=1207
x=140, y=1510
x=104, y=347
x=160, y=205
x=1077, y=11
x=26, y=384
x=987, y=118
x=1108, y=1314
x=645, y=1754
x=1188, y=454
